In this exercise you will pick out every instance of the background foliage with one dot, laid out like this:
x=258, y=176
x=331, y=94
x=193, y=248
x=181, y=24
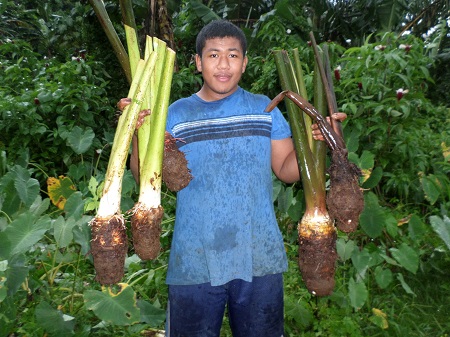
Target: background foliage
x=61, y=81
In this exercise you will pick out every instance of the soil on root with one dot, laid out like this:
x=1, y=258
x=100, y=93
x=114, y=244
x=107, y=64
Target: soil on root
x=317, y=262
x=146, y=231
x=109, y=245
x=175, y=173
x=345, y=199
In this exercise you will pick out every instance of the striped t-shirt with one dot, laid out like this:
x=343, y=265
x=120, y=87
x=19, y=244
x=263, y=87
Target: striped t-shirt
x=225, y=226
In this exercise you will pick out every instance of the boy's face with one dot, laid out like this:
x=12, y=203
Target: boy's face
x=222, y=64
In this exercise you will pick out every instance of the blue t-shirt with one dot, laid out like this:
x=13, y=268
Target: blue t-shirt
x=225, y=226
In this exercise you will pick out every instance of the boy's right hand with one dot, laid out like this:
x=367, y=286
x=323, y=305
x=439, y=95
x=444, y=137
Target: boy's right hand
x=126, y=101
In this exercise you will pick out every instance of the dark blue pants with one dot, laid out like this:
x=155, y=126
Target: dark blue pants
x=255, y=308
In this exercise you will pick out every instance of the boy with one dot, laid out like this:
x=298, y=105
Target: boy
x=227, y=250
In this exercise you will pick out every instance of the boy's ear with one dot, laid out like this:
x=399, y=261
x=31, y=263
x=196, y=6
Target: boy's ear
x=198, y=63
x=244, y=64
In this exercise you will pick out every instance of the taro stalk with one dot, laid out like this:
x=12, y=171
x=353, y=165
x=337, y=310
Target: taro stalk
x=345, y=200
x=109, y=239
x=317, y=234
x=147, y=213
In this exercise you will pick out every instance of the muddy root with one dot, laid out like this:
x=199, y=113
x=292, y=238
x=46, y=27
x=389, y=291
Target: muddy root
x=109, y=245
x=317, y=262
x=345, y=199
x=146, y=231
x=176, y=174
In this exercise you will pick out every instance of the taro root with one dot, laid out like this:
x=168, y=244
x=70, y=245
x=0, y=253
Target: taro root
x=317, y=233
x=146, y=230
x=175, y=174
x=317, y=252
x=109, y=248
x=345, y=199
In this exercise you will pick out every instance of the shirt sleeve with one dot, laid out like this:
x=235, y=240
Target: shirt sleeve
x=280, y=127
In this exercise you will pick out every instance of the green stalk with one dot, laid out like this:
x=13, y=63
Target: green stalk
x=133, y=48
x=144, y=132
x=110, y=201
x=151, y=174
x=314, y=193
x=103, y=17
x=316, y=233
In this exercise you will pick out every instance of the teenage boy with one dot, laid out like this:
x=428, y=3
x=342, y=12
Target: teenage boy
x=227, y=250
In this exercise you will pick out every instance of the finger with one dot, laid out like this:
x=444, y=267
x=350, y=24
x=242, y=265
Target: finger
x=339, y=116
x=123, y=103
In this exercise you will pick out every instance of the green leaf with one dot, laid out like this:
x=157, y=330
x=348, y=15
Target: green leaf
x=16, y=273
x=391, y=225
x=373, y=217
x=151, y=314
x=431, y=188
x=25, y=231
x=407, y=257
x=405, y=285
x=416, y=228
x=54, y=321
x=82, y=234
x=285, y=199
x=63, y=231
x=27, y=188
x=345, y=248
x=374, y=179
x=299, y=311
x=357, y=293
x=74, y=205
x=361, y=260
x=383, y=277
x=442, y=228
x=80, y=140
x=117, y=309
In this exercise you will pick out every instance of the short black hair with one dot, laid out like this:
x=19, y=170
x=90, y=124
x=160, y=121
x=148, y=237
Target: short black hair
x=220, y=29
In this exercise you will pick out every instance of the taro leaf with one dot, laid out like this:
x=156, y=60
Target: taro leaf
x=117, y=309
x=63, y=231
x=59, y=189
x=16, y=273
x=442, y=228
x=53, y=321
x=373, y=217
x=39, y=206
x=345, y=248
x=416, y=228
x=383, y=277
x=285, y=199
x=357, y=292
x=374, y=179
x=82, y=234
x=80, y=140
x=361, y=261
x=379, y=318
x=432, y=188
x=25, y=231
x=299, y=311
x=75, y=205
x=3, y=279
x=391, y=224
x=26, y=187
x=407, y=257
x=405, y=286
x=151, y=314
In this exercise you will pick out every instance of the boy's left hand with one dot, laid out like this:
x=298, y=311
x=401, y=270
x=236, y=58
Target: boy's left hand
x=317, y=135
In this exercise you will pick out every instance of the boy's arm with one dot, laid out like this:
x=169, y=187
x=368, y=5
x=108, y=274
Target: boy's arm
x=284, y=160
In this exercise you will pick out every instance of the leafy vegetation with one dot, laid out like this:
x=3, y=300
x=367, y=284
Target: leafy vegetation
x=57, y=102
